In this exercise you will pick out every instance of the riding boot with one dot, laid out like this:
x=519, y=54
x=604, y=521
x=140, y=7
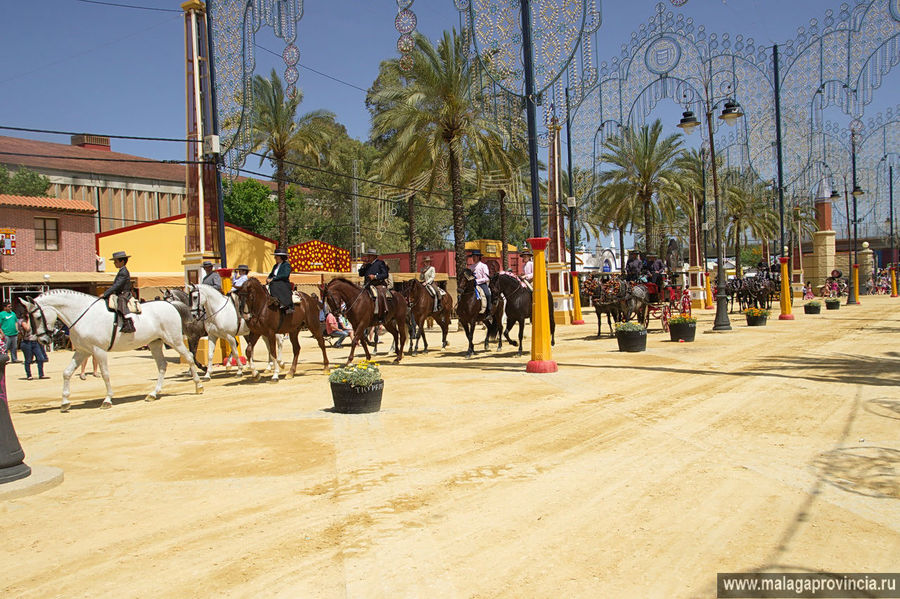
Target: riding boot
x=127, y=325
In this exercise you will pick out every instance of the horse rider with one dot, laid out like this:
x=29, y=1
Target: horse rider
x=121, y=286
x=239, y=276
x=279, y=281
x=528, y=268
x=374, y=273
x=633, y=267
x=482, y=278
x=427, y=278
x=211, y=278
x=657, y=268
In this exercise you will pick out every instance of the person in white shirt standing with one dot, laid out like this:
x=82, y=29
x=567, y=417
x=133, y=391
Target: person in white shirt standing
x=527, y=268
x=482, y=278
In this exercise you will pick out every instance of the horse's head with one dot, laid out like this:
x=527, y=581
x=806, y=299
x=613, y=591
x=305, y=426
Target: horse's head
x=195, y=303
x=330, y=298
x=466, y=278
x=42, y=322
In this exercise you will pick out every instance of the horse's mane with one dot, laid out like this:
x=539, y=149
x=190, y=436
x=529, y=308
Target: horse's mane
x=343, y=280
x=55, y=292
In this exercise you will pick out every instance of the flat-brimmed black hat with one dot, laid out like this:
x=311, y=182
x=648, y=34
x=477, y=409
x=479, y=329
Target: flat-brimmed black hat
x=526, y=252
x=427, y=258
x=207, y=263
x=243, y=267
x=281, y=253
x=475, y=252
x=120, y=256
x=371, y=252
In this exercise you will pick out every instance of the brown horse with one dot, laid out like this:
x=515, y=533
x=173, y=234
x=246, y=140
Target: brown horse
x=518, y=305
x=421, y=306
x=468, y=311
x=360, y=310
x=265, y=319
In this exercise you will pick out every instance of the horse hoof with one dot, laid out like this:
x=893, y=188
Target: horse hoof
x=64, y=407
x=107, y=404
x=150, y=397
x=274, y=379
x=255, y=376
x=199, y=389
x=289, y=375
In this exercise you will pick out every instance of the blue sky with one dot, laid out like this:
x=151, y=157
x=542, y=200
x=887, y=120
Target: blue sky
x=76, y=66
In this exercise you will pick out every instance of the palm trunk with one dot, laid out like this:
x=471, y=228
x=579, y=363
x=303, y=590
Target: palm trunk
x=622, y=257
x=648, y=226
x=282, y=205
x=504, y=260
x=412, y=233
x=459, y=216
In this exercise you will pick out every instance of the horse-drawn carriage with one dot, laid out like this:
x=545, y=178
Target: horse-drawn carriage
x=668, y=299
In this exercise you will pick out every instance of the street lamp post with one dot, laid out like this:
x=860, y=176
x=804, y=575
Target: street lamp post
x=853, y=292
x=730, y=113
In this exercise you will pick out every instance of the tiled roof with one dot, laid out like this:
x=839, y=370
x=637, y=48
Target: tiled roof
x=64, y=157
x=46, y=203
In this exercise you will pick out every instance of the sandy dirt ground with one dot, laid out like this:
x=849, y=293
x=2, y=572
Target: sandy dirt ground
x=622, y=475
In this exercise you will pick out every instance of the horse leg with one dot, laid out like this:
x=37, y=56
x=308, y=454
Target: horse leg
x=295, y=345
x=272, y=346
x=156, y=350
x=469, y=328
x=232, y=343
x=521, y=334
x=445, y=327
x=251, y=340
x=395, y=330
x=79, y=357
x=103, y=359
x=177, y=343
x=320, y=339
x=211, y=342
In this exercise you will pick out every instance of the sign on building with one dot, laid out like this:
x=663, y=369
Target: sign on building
x=7, y=242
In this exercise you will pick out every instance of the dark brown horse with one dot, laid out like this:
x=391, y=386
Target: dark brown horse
x=360, y=310
x=518, y=305
x=468, y=310
x=421, y=306
x=265, y=319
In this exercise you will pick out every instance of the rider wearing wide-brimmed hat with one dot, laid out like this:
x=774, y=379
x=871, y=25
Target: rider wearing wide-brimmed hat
x=375, y=273
x=239, y=276
x=482, y=279
x=427, y=277
x=121, y=286
x=212, y=278
x=528, y=267
x=280, y=281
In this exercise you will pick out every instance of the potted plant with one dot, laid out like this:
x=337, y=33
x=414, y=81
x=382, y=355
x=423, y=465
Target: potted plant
x=756, y=317
x=813, y=307
x=833, y=303
x=356, y=389
x=682, y=327
x=632, y=336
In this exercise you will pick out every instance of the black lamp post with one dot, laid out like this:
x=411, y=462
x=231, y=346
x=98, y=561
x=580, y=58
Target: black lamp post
x=856, y=193
x=730, y=114
x=12, y=466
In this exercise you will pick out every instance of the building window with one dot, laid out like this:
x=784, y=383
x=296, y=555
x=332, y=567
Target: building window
x=46, y=234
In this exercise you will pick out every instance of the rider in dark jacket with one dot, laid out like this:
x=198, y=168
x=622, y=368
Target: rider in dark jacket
x=121, y=286
x=374, y=271
x=280, y=281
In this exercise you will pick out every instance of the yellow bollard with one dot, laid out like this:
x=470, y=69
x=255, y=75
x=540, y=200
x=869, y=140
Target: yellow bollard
x=856, y=283
x=541, y=359
x=709, y=298
x=785, y=291
x=576, y=292
x=893, y=282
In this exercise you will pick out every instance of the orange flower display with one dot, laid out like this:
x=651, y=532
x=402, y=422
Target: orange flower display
x=318, y=256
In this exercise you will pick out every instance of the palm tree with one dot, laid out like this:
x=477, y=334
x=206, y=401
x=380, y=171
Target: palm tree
x=643, y=177
x=746, y=210
x=430, y=121
x=276, y=129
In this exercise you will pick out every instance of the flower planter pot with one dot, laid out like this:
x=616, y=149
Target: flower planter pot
x=682, y=331
x=812, y=309
x=832, y=305
x=632, y=340
x=356, y=400
x=756, y=321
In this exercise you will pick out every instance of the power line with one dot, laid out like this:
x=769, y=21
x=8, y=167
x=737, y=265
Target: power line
x=99, y=159
x=129, y=6
x=261, y=47
x=54, y=132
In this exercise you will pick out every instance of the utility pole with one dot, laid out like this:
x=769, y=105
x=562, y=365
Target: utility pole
x=354, y=208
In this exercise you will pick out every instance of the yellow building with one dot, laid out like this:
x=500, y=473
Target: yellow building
x=157, y=249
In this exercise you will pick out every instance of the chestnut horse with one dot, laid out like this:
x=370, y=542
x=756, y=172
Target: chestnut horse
x=265, y=319
x=468, y=311
x=421, y=306
x=360, y=310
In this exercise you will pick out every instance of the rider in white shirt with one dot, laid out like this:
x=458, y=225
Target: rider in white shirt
x=239, y=276
x=527, y=268
x=427, y=278
x=482, y=276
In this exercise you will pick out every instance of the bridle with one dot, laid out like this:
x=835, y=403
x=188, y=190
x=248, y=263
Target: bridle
x=32, y=320
x=201, y=311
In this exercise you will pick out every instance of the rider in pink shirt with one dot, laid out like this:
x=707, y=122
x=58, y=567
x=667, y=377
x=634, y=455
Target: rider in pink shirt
x=482, y=276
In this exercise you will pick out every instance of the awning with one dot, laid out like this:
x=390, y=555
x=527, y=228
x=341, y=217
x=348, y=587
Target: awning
x=56, y=278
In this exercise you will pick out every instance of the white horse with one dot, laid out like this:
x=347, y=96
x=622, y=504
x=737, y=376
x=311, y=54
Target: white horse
x=220, y=315
x=91, y=330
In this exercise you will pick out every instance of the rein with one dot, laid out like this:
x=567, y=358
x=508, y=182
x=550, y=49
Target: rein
x=207, y=316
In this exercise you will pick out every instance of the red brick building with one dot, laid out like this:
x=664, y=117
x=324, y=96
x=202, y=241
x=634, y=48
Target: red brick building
x=46, y=234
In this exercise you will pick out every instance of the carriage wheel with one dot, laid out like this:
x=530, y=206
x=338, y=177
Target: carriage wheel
x=664, y=317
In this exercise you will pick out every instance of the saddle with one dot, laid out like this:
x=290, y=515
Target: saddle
x=482, y=298
x=112, y=304
x=380, y=295
x=296, y=298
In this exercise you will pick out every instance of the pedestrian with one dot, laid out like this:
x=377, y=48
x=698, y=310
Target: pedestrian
x=32, y=349
x=10, y=329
